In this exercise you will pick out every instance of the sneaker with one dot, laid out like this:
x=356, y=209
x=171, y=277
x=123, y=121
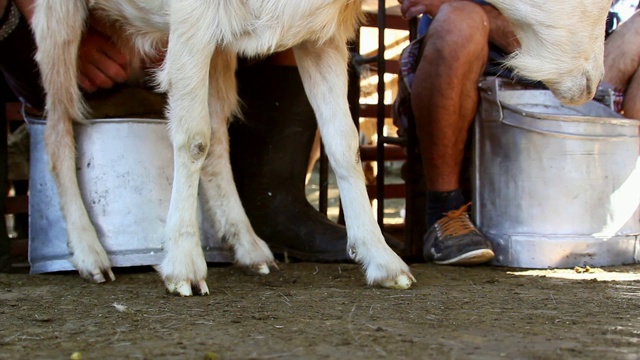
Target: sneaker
x=454, y=240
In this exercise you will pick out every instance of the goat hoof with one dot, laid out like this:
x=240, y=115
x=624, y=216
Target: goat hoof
x=110, y=275
x=98, y=276
x=187, y=288
x=203, y=288
x=401, y=282
x=93, y=263
x=263, y=269
x=260, y=269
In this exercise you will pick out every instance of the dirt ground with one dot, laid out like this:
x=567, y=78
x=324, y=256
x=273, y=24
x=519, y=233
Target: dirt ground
x=325, y=311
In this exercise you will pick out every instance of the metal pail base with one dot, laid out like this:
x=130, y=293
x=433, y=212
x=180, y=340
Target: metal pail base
x=537, y=251
x=143, y=257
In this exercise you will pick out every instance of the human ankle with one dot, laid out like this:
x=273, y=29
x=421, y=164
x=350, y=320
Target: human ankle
x=441, y=202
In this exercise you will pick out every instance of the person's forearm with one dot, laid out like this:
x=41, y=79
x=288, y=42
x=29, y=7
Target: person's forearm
x=26, y=8
x=9, y=18
x=10, y=11
x=17, y=63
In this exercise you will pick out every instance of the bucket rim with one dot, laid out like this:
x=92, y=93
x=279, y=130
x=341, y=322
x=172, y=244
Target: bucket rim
x=494, y=90
x=133, y=120
x=569, y=118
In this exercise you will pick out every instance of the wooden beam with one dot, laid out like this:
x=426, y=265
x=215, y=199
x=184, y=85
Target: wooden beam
x=17, y=205
x=391, y=191
x=371, y=111
x=391, y=153
x=392, y=21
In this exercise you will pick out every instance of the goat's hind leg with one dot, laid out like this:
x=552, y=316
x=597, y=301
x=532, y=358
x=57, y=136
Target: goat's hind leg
x=58, y=27
x=221, y=195
x=324, y=74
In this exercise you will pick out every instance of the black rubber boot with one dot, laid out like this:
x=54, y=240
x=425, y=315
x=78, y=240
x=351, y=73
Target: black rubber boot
x=269, y=156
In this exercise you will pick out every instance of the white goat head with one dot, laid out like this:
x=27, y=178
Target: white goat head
x=562, y=44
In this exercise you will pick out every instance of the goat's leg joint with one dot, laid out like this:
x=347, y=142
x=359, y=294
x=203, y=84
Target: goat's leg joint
x=198, y=150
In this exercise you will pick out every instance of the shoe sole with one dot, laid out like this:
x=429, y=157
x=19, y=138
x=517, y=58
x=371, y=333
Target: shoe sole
x=475, y=257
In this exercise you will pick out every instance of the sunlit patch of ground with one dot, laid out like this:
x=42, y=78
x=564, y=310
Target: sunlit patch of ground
x=580, y=273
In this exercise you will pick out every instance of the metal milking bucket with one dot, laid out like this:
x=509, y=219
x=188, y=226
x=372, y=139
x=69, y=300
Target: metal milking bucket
x=555, y=185
x=125, y=171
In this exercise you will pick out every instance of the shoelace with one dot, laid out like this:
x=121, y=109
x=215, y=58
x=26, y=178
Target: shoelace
x=456, y=222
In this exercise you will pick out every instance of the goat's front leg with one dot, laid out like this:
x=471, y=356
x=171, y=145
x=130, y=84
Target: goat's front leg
x=58, y=29
x=185, y=76
x=220, y=193
x=324, y=74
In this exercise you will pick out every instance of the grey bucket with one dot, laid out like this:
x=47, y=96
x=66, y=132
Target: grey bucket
x=125, y=171
x=553, y=185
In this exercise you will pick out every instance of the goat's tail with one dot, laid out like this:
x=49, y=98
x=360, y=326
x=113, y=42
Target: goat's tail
x=58, y=27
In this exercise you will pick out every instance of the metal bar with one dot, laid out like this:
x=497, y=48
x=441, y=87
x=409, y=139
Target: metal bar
x=5, y=245
x=393, y=140
x=382, y=11
x=415, y=198
x=323, y=201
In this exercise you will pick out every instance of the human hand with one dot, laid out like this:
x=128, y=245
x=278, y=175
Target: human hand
x=101, y=63
x=413, y=8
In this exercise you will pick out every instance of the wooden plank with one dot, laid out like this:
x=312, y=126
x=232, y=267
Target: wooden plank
x=392, y=21
x=19, y=248
x=392, y=67
x=391, y=153
x=371, y=111
x=391, y=191
x=13, y=111
x=17, y=205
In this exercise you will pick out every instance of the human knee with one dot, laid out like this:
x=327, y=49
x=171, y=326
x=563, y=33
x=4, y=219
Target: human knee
x=460, y=29
x=467, y=16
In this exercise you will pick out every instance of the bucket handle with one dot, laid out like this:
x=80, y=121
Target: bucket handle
x=31, y=120
x=504, y=120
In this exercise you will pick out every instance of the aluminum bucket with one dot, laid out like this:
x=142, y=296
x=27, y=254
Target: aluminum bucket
x=555, y=186
x=125, y=171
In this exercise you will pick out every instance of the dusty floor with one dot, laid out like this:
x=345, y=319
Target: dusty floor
x=324, y=311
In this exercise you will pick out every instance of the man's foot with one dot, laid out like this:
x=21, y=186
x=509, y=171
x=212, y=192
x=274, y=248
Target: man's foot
x=454, y=240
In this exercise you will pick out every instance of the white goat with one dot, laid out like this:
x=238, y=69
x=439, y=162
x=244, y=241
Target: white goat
x=204, y=38
x=562, y=44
